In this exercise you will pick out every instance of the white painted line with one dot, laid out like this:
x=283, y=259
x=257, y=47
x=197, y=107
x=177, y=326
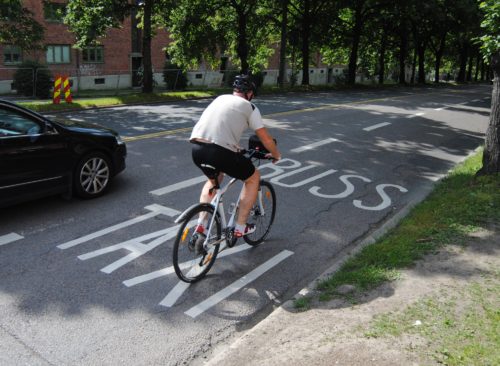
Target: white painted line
x=178, y=186
x=374, y=127
x=439, y=109
x=155, y=210
x=174, y=295
x=313, y=145
x=237, y=285
x=416, y=115
x=135, y=246
x=9, y=238
x=168, y=270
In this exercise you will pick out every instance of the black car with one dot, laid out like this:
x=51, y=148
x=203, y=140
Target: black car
x=40, y=157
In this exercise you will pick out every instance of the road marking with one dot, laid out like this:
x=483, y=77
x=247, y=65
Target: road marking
x=136, y=247
x=374, y=127
x=174, y=294
x=169, y=270
x=9, y=238
x=439, y=109
x=155, y=210
x=178, y=186
x=313, y=145
x=156, y=134
x=416, y=115
x=277, y=180
x=237, y=285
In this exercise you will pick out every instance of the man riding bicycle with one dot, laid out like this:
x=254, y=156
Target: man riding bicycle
x=216, y=139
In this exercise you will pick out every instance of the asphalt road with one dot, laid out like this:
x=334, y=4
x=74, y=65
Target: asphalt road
x=91, y=282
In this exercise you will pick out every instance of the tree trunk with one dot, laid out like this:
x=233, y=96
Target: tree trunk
x=381, y=59
x=469, y=68
x=439, y=55
x=463, y=63
x=353, y=57
x=282, y=72
x=413, y=66
x=147, y=78
x=242, y=47
x=491, y=154
x=421, y=63
x=306, y=26
x=476, y=72
x=402, y=55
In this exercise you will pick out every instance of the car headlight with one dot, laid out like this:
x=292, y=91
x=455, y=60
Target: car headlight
x=119, y=140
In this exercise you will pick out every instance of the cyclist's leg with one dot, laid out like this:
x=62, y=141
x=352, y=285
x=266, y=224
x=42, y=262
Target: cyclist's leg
x=207, y=193
x=248, y=197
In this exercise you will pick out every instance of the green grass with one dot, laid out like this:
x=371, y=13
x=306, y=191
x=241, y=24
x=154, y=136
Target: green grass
x=107, y=101
x=459, y=329
x=460, y=204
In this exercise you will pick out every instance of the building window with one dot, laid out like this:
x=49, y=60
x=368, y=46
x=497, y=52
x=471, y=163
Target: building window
x=12, y=55
x=93, y=54
x=58, y=54
x=54, y=12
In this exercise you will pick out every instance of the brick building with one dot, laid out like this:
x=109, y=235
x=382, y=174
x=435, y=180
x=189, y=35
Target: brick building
x=113, y=63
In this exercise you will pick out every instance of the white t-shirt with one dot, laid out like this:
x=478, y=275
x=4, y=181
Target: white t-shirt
x=225, y=119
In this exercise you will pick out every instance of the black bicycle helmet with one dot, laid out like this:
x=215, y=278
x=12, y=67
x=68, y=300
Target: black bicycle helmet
x=243, y=83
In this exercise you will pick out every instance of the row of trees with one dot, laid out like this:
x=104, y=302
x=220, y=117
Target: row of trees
x=372, y=36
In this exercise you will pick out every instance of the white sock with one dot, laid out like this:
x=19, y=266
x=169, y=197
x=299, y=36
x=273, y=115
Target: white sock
x=240, y=228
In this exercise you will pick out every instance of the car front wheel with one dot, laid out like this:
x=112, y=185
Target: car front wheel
x=92, y=175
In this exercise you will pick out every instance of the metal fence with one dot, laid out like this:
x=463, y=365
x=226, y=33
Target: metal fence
x=90, y=79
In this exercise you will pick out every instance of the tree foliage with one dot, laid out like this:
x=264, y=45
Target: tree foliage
x=203, y=30
x=18, y=27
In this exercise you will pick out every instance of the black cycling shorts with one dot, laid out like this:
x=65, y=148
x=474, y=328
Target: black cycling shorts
x=213, y=159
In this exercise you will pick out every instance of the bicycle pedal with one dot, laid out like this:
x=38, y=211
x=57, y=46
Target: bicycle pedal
x=230, y=238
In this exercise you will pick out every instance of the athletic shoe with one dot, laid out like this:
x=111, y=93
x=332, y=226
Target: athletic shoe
x=250, y=228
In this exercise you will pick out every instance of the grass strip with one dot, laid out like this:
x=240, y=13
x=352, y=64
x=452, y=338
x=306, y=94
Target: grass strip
x=99, y=102
x=459, y=204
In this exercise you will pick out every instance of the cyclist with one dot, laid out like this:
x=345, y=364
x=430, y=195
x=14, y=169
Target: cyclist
x=216, y=151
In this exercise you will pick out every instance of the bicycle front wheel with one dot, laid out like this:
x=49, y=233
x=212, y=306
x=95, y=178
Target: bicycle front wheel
x=262, y=214
x=194, y=254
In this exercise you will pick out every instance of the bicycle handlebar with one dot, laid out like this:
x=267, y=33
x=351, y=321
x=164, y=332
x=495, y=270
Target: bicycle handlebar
x=257, y=154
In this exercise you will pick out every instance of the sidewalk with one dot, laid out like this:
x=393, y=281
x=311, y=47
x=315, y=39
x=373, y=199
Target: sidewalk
x=428, y=303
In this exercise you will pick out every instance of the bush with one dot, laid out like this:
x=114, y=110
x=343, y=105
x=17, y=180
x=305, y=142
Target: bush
x=23, y=80
x=174, y=77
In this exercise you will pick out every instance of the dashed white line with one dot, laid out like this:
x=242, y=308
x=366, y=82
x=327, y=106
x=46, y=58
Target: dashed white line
x=313, y=145
x=237, y=285
x=9, y=238
x=374, y=127
x=415, y=115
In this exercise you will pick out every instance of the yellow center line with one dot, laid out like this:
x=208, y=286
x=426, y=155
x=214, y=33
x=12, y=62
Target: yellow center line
x=326, y=106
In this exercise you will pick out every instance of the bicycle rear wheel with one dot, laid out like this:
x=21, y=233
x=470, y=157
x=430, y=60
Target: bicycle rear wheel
x=191, y=260
x=262, y=214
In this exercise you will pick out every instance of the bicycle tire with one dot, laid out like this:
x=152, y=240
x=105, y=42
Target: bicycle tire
x=190, y=265
x=262, y=221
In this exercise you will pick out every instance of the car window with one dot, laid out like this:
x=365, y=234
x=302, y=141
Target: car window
x=14, y=124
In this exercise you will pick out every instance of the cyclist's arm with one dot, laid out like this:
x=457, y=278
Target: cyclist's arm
x=268, y=142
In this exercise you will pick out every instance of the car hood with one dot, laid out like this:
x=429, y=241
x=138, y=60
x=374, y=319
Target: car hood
x=84, y=127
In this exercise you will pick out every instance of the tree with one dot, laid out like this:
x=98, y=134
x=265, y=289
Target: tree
x=89, y=20
x=490, y=47
x=203, y=30
x=17, y=26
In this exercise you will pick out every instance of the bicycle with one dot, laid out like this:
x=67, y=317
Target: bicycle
x=192, y=263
